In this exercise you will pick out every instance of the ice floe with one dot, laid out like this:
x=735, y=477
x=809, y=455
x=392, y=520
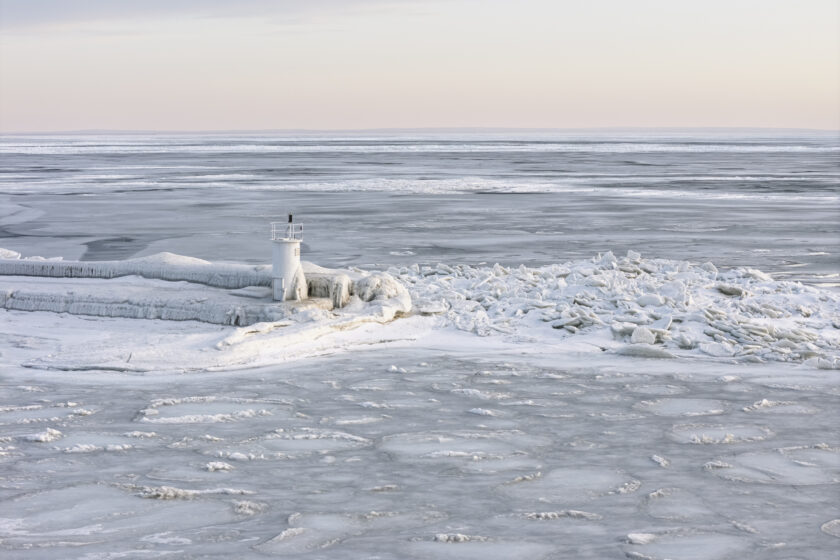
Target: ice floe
x=677, y=504
x=685, y=545
x=308, y=532
x=796, y=466
x=571, y=485
x=52, y=516
x=831, y=528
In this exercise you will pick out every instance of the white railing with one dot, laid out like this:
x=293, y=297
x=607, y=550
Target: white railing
x=285, y=230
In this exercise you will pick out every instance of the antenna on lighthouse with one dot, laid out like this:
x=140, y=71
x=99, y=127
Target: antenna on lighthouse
x=287, y=279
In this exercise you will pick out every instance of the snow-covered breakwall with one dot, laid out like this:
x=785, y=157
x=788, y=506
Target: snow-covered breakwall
x=178, y=288
x=139, y=302
x=629, y=305
x=162, y=266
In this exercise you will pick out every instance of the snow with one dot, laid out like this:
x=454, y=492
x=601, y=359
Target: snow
x=424, y=402
x=631, y=306
x=662, y=308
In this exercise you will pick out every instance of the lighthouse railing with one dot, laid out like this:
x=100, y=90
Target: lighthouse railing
x=285, y=230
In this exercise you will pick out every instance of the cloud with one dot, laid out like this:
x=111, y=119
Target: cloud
x=23, y=14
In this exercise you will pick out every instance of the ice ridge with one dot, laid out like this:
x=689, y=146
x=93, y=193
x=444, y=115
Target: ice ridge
x=649, y=307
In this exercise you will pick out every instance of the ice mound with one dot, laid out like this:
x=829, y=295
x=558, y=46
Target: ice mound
x=648, y=307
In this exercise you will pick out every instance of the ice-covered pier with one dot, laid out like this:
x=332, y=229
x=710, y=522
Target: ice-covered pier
x=175, y=287
x=627, y=305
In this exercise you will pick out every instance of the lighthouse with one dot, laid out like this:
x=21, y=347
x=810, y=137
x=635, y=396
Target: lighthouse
x=287, y=279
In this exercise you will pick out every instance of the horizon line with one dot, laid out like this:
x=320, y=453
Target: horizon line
x=423, y=129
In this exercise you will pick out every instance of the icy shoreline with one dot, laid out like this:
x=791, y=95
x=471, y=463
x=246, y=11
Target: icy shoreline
x=629, y=306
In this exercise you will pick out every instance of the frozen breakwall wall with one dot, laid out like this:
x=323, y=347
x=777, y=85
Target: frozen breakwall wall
x=146, y=303
x=163, y=266
x=178, y=288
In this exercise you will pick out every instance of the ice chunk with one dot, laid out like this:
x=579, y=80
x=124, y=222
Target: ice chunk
x=650, y=299
x=731, y=290
x=300, y=290
x=831, y=528
x=661, y=461
x=46, y=436
x=378, y=286
x=710, y=268
x=340, y=290
x=173, y=493
x=8, y=254
x=640, y=538
x=717, y=349
x=642, y=335
x=459, y=538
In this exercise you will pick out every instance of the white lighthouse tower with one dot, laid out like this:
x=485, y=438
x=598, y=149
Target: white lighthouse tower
x=288, y=282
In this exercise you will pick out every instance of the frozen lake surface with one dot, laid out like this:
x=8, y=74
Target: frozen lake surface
x=748, y=199
x=440, y=451
x=472, y=428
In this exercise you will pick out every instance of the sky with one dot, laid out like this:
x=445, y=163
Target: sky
x=361, y=64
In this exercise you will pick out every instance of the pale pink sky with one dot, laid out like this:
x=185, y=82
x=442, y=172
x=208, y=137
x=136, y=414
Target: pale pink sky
x=349, y=64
